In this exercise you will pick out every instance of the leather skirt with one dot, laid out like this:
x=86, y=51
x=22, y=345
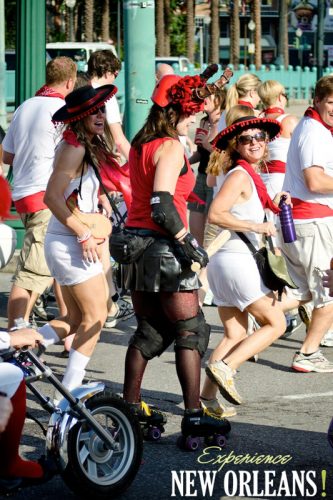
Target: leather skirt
x=162, y=267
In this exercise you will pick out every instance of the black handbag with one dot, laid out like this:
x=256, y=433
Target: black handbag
x=126, y=247
x=272, y=268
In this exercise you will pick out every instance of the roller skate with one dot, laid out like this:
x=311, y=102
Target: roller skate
x=151, y=420
x=198, y=424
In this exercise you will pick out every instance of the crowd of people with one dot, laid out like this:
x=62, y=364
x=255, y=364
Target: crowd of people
x=251, y=153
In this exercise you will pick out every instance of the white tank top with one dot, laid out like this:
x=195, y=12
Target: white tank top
x=88, y=202
x=251, y=210
x=278, y=149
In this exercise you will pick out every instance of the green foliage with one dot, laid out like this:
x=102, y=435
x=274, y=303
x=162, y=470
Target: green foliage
x=178, y=34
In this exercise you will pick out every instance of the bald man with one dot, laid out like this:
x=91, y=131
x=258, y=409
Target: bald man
x=162, y=70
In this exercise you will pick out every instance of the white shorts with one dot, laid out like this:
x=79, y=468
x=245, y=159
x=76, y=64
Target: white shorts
x=234, y=280
x=307, y=258
x=64, y=259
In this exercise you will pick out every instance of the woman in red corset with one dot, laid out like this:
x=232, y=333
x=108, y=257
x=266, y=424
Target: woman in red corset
x=163, y=287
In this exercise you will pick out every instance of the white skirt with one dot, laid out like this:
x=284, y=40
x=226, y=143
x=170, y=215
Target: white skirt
x=65, y=260
x=234, y=279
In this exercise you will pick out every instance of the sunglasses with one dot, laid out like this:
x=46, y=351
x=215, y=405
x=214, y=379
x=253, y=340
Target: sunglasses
x=102, y=109
x=248, y=139
x=285, y=96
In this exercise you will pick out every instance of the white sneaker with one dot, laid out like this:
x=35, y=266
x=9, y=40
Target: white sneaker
x=315, y=363
x=327, y=340
x=222, y=375
x=217, y=409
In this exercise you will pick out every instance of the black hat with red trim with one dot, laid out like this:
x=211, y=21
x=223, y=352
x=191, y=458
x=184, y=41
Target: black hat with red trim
x=82, y=102
x=272, y=127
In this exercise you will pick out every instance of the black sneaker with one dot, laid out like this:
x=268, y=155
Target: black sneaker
x=125, y=311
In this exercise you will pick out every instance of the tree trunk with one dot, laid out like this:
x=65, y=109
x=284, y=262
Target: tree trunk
x=89, y=20
x=214, y=52
x=105, y=21
x=257, y=33
x=167, y=22
x=234, y=35
x=283, y=52
x=160, y=28
x=190, y=29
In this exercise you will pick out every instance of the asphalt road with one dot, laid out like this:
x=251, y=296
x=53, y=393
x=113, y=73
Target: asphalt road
x=286, y=416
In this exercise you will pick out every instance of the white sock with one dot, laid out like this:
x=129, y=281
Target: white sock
x=49, y=334
x=75, y=369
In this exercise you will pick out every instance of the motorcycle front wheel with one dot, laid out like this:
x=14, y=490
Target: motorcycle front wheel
x=93, y=470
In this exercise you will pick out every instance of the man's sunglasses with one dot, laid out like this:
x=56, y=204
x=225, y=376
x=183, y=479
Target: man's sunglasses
x=248, y=139
x=102, y=109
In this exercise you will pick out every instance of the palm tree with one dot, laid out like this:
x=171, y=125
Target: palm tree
x=257, y=36
x=167, y=22
x=105, y=21
x=234, y=34
x=190, y=29
x=283, y=52
x=89, y=20
x=214, y=49
x=159, y=23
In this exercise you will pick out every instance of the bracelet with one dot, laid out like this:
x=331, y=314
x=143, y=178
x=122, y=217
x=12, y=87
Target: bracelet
x=85, y=237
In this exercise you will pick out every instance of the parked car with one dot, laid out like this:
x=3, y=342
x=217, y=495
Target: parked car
x=183, y=62
x=78, y=51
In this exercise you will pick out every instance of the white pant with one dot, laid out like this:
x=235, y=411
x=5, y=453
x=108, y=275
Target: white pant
x=10, y=378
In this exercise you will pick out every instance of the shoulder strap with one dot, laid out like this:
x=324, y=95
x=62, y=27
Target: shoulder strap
x=251, y=247
x=120, y=218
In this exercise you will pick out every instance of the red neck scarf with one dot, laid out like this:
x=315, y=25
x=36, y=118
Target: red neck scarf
x=273, y=111
x=312, y=113
x=260, y=186
x=46, y=91
x=245, y=103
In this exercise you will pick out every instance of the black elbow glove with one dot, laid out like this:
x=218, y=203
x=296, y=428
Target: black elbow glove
x=164, y=212
x=194, y=251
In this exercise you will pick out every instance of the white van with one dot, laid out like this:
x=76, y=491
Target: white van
x=182, y=61
x=78, y=51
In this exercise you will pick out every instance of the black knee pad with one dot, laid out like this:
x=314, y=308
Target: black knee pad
x=193, y=333
x=151, y=338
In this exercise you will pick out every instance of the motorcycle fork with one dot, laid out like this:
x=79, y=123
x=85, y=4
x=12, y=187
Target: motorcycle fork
x=76, y=405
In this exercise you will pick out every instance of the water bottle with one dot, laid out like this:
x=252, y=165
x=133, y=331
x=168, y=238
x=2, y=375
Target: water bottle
x=286, y=221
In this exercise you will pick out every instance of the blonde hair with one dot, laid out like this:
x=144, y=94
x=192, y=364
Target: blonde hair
x=269, y=92
x=223, y=160
x=241, y=88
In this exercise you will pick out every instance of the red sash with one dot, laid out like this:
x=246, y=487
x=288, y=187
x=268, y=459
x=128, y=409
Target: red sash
x=31, y=204
x=275, y=167
x=313, y=113
x=306, y=210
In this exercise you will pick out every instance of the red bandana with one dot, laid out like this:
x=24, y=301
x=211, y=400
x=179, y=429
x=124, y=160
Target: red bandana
x=271, y=111
x=245, y=103
x=312, y=113
x=46, y=91
x=260, y=186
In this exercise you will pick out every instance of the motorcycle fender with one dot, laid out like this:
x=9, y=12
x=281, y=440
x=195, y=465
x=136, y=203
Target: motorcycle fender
x=62, y=421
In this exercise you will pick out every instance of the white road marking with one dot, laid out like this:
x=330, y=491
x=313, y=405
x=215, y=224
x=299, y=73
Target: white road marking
x=307, y=396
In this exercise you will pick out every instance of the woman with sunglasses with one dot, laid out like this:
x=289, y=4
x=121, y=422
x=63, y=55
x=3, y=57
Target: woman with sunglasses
x=232, y=272
x=72, y=253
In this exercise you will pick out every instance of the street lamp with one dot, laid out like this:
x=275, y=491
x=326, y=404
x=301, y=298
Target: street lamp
x=251, y=49
x=299, y=34
x=71, y=4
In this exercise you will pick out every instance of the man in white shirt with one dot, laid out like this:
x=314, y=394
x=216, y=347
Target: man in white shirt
x=29, y=147
x=103, y=69
x=309, y=178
